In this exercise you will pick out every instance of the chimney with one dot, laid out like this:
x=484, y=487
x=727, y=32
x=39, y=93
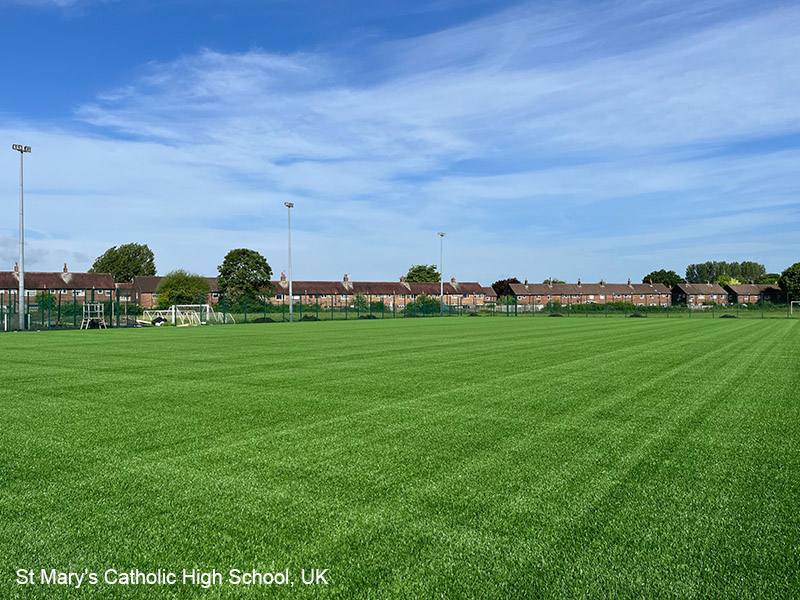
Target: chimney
x=402, y=278
x=65, y=267
x=283, y=276
x=602, y=283
x=346, y=277
x=579, y=281
x=16, y=267
x=651, y=281
x=629, y=280
x=526, y=281
x=550, y=282
x=452, y=280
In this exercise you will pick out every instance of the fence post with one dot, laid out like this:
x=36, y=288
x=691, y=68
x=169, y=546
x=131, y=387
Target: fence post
x=265, y=308
x=370, y=306
x=332, y=301
x=117, y=308
x=788, y=306
x=317, y=307
x=762, y=307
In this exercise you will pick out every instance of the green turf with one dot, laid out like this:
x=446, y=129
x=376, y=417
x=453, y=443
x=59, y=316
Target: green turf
x=453, y=458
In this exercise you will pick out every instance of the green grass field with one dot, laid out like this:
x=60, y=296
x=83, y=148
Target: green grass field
x=437, y=458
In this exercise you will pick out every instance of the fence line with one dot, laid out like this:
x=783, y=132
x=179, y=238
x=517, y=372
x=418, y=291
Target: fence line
x=122, y=308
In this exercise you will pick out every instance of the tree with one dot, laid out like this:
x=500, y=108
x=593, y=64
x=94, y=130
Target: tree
x=423, y=273
x=668, y=278
x=552, y=280
x=790, y=281
x=360, y=302
x=181, y=287
x=713, y=270
x=503, y=286
x=769, y=278
x=423, y=305
x=752, y=271
x=126, y=262
x=45, y=300
x=244, y=272
x=724, y=280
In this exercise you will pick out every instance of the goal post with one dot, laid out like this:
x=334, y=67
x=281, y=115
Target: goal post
x=792, y=305
x=188, y=314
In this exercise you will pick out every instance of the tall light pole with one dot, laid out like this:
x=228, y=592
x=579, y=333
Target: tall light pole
x=22, y=150
x=441, y=278
x=290, y=206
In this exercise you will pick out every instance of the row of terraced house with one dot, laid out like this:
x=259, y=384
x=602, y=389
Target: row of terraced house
x=98, y=287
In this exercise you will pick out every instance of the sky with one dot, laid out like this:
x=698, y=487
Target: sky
x=599, y=140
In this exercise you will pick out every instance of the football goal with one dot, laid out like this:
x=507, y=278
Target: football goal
x=792, y=305
x=184, y=315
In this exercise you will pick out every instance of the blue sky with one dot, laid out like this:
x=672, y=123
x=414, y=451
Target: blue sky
x=593, y=140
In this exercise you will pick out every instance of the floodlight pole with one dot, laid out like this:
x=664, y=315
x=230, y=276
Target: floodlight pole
x=22, y=150
x=290, y=206
x=441, y=276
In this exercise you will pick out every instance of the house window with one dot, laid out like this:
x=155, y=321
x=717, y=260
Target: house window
x=465, y=296
x=591, y=296
x=155, y=296
x=641, y=297
x=602, y=297
x=215, y=295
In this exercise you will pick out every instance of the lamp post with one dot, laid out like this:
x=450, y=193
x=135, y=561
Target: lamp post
x=441, y=277
x=290, y=206
x=22, y=150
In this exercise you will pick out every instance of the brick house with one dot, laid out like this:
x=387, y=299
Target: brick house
x=337, y=293
x=752, y=293
x=393, y=294
x=537, y=295
x=71, y=287
x=697, y=294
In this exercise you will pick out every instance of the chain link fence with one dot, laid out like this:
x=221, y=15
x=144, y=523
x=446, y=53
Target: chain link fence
x=64, y=310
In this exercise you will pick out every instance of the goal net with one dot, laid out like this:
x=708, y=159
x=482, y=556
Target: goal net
x=795, y=304
x=189, y=314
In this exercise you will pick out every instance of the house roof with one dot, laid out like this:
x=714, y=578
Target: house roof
x=753, y=288
x=36, y=280
x=574, y=289
x=375, y=288
x=696, y=289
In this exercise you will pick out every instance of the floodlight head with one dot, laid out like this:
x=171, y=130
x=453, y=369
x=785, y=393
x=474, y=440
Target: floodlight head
x=441, y=234
x=20, y=148
x=289, y=204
